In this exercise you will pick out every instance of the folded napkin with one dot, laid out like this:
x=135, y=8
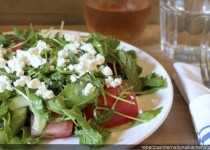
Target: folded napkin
x=189, y=83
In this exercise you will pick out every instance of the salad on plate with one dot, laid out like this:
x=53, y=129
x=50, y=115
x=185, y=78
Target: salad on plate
x=62, y=85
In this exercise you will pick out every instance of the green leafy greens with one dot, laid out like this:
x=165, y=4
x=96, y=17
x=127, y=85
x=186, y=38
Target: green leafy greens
x=64, y=86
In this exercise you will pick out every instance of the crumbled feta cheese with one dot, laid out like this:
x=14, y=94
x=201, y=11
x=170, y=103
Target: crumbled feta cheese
x=82, y=68
x=107, y=71
x=72, y=37
x=41, y=45
x=31, y=57
x=3, y=51
x=32, y=51
x=61, y=62
x=71, y=67
x=73, y=78
x=36, y=61
x=34, y=84
x=2, y=62
x=100, y=59
x=44, y=92
x=89, y=89
x=22, y=81
x=72, y=47
x=63, y=53
x=15, y=65
x=88, y=48
x=110, y=82
x=5, y=83
x=22, y=55
x=86, y=56
x=87, y=64
x=7, y=69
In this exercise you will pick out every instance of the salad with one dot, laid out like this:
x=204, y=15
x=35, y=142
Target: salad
x=62, y=85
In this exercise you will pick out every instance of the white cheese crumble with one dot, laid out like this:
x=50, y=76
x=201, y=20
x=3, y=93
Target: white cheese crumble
x=88, y=48
x=72, y=47
x=31, y=57
x=61, y=62
x=2, y=62
x=15, y=65
x=34, y=84
x=100, y=59
x=62, y=54
x=5, y=83
x=71, y=67
x=44, y=92
x=110, y=82
x=107, y=71
x=73, y=78
x=22, y=81
x=72, y=37
x=88, y=63
x=89, y=89
x=36, y=61
x=41, y=45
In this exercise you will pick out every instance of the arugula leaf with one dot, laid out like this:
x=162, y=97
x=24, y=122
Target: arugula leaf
x=73, y=58
x=74, y=97
x=87, y=133
x=56, y=104
x=17, y=102
x=29, y=37
x=45, y=69
x=36, y=105
x=147, y=115
x=6, y=39
x=151, y=83
x=4, y=96
x=24, y=136
x=2, y=136
x=91, y=135
x=141, y=118
x=41, y=115
x=131, y=69
x=104, y=45
x=102, y=116
x=18, y=119
x=3, y=109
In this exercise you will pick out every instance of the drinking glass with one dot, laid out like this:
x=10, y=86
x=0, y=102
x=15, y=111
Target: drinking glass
x=124, y=19
x=184, y=25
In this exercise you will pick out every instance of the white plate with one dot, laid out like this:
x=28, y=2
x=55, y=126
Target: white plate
x=161, y=98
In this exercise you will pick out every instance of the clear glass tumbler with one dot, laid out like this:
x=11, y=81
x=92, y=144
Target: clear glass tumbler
x=124, y=19
x=184, y=23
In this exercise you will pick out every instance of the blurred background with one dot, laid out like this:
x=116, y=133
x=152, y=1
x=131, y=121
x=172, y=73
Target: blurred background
x=51, y=12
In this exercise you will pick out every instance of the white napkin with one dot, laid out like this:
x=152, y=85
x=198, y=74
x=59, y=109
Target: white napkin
x=189, y=83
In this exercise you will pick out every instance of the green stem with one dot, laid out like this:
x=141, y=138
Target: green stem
x=119, y=98
x=148, y=91
x=64, y=72
x=103, y=95
x=121, y=95
x=115, y=69
x=21, y=93
x=121, y=114
x=61, y=29
x=61, y=44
